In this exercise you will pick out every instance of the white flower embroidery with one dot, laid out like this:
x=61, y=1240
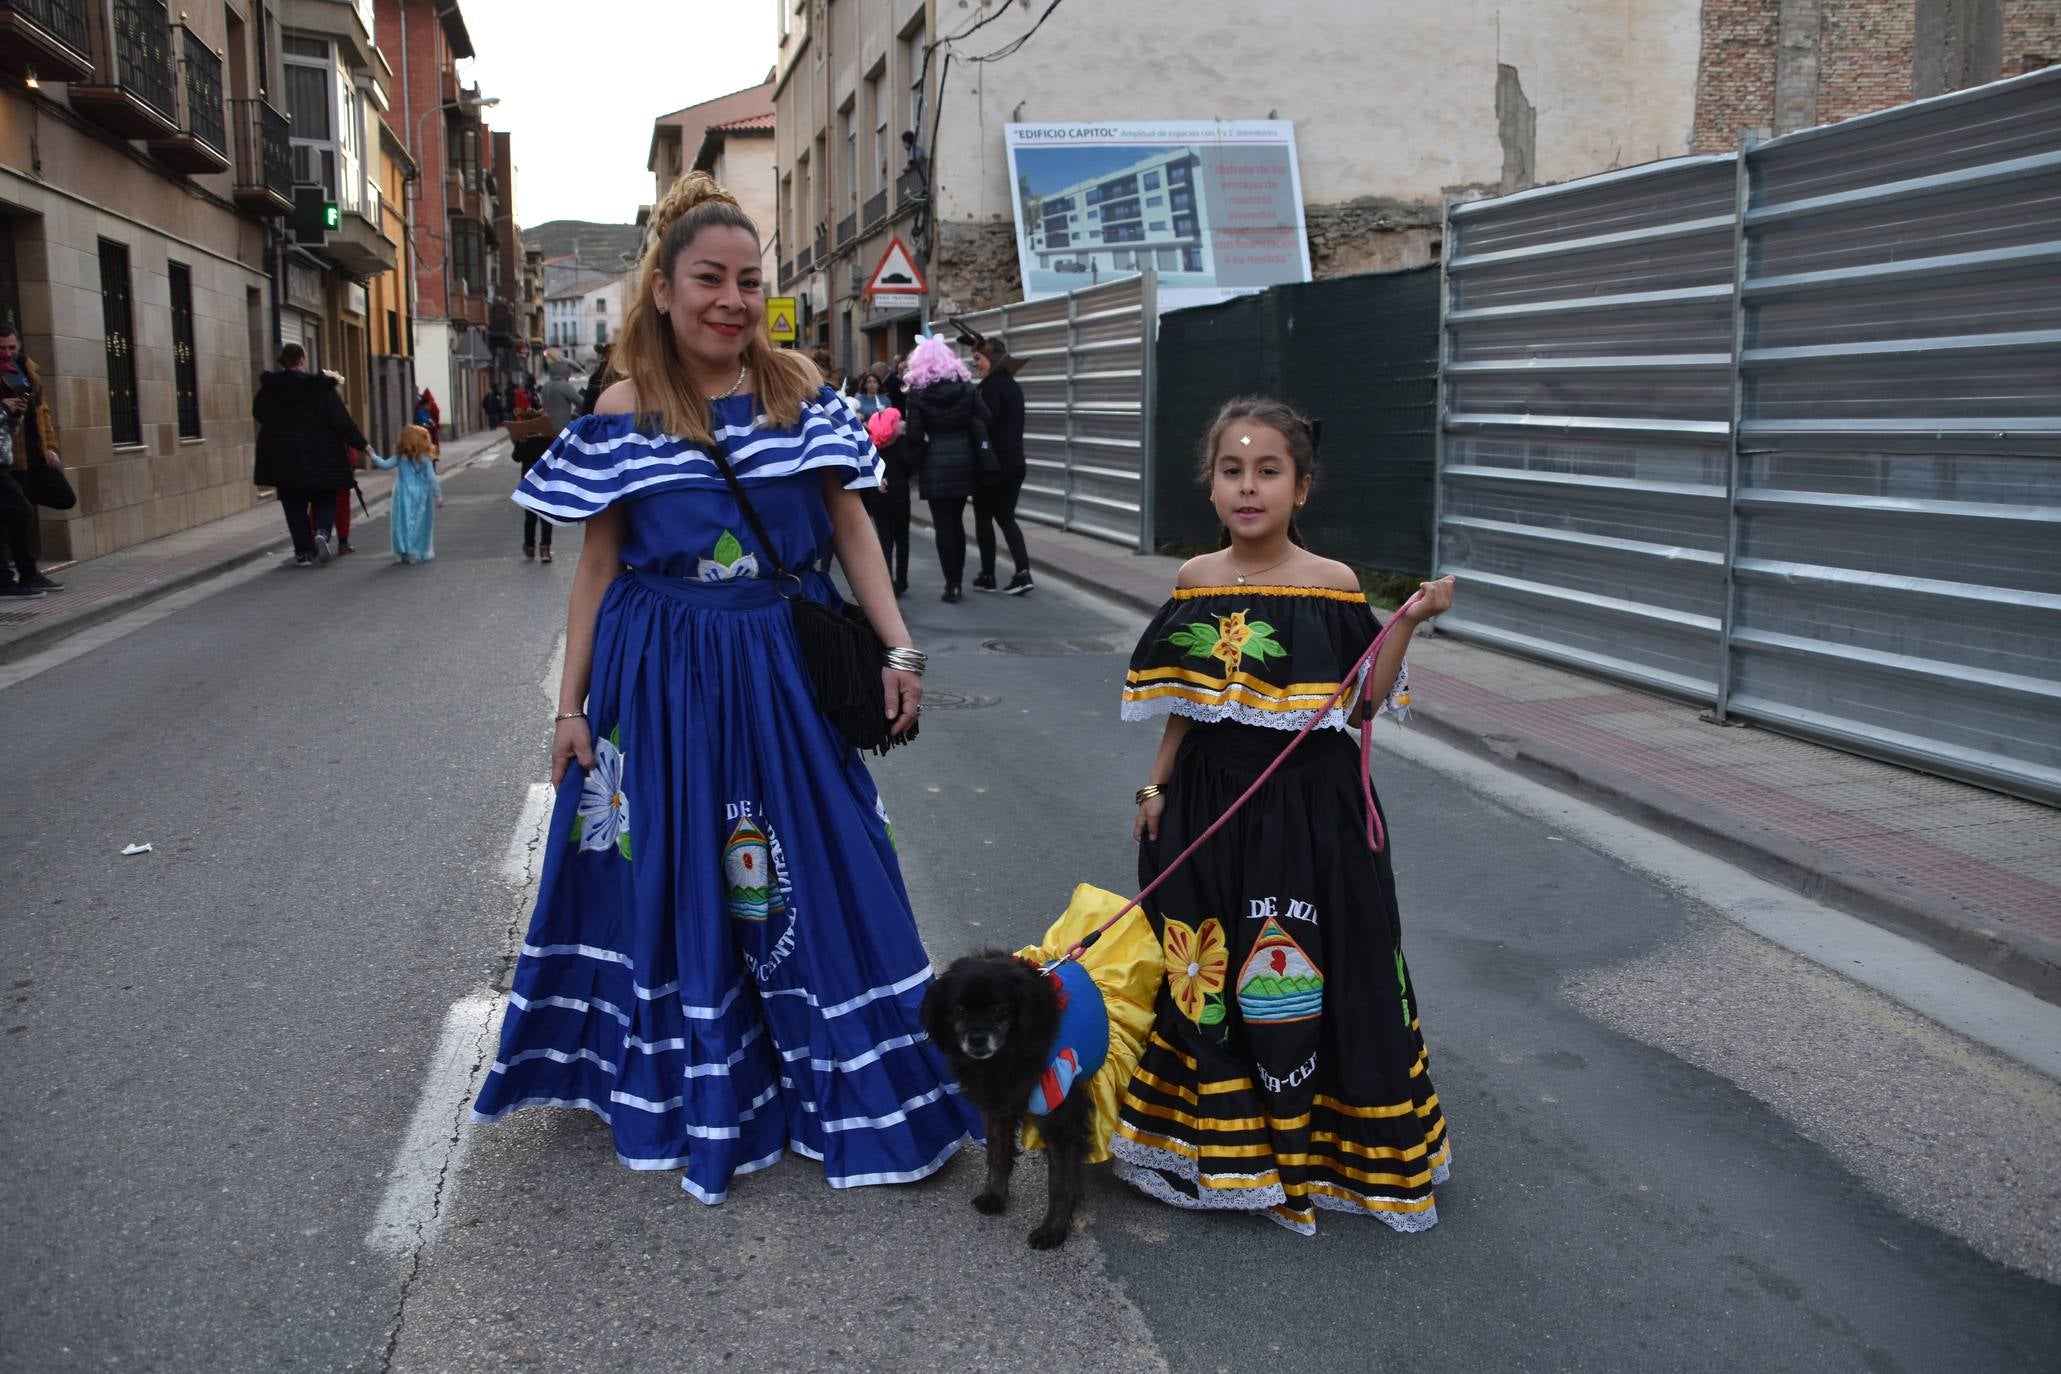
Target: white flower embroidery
x=603, y=819
x=729, y=561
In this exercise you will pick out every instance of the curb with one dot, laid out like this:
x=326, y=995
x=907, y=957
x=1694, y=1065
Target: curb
x=43, y=636
x=1793, y=864
x=2034, y=967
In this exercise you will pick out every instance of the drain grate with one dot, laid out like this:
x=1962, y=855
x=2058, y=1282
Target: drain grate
x=938, y=699
x=1053, y=648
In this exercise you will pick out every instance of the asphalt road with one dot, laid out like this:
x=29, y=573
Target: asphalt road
x=236, y=1064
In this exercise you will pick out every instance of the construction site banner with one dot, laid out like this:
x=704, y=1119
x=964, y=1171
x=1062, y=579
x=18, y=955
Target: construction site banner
x=1214, y=207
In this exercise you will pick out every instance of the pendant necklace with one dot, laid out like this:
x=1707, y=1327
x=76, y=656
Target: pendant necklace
x=741, y=370
x=1257, y=571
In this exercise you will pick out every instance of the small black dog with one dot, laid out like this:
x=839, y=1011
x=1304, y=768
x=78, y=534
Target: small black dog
x=996, y=1016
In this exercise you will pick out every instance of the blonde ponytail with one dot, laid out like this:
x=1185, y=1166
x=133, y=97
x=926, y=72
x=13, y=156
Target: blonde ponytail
x=646, y=354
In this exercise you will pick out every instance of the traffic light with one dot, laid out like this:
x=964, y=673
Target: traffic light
x=314, y=215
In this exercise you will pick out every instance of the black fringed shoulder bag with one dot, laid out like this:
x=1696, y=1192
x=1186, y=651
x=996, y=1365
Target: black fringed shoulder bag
x=840, y=648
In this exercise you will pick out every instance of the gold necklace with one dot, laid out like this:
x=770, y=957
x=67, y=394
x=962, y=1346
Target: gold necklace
x=742, y=368
x=1257, y=571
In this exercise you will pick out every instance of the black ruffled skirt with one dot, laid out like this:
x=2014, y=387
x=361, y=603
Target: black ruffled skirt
x=1286, y=1070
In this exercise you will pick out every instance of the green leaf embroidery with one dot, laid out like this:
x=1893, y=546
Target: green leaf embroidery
x=622, y=841
x=1212, y=1012
x=1402, y=981
x=615, y=736
x=1198, y=639
x=579, y=828
x=728, y=550
x=1259, y=627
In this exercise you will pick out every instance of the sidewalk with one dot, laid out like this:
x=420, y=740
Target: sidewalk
x=1973, y=873
x=101, y=588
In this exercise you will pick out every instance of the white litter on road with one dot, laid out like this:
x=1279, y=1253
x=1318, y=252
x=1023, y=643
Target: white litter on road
x=136, y=849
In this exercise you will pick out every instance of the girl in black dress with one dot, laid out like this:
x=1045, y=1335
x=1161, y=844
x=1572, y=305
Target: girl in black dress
x=1286, y=1071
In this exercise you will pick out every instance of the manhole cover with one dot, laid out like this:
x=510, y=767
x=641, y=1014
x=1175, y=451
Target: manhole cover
x=1052, y=648
x=937, y=699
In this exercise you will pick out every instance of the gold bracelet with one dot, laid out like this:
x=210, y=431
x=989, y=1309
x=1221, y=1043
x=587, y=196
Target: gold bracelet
x=568, y=715
x=1149, y=791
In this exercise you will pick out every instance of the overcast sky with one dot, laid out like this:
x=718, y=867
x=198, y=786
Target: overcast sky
x=581, y=81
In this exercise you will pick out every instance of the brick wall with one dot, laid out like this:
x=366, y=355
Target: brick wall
x=1735, y=72
x=1868, y=51
x=428, y=54
x=2032, y=35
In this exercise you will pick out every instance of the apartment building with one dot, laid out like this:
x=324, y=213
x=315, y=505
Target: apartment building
x=849, y=82
x=144, y=160
x=1148, y=214
x=583, y=314
x=730, y=138
x=451, y=211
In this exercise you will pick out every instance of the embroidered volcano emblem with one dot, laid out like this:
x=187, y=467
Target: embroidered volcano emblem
x=754, y=894
x=1278, y=982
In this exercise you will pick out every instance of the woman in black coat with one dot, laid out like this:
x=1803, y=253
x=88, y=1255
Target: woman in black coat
x=944, y=416
x=305, y=435
x=995, y=504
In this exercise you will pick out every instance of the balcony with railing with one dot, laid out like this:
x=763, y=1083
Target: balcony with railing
x=847, y=230
x=131, y=89
x=786, y=272
x=202, y=143
x=875, y=210
x=910, y=190
x=264, y=158
x=47, y=37
x=462, y=185
x=822, y=242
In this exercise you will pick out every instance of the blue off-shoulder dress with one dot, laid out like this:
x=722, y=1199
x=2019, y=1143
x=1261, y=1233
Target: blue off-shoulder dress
x=723, y=963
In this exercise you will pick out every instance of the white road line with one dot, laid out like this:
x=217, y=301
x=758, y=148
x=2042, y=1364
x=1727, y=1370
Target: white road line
x=527, y=841
x=108, y=631
x=439, y=1132
x=2009, y=1020
x=433, y=1149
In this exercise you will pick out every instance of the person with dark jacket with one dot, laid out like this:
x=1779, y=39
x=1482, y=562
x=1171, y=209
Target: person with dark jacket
x=31, y=472
x=305, y=435
x=943, y=414
x=995, y=504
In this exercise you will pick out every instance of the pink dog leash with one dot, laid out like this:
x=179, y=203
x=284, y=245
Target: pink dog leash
x=1377, y=834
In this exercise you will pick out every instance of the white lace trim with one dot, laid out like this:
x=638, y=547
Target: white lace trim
x=1334, y=719
x=1143, y=1166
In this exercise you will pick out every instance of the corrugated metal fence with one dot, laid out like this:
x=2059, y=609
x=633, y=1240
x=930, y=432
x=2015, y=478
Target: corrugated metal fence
x=1087, y=390
x=1781, y=432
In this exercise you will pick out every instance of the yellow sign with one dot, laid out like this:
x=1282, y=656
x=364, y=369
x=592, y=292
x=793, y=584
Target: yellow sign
x=780, y=319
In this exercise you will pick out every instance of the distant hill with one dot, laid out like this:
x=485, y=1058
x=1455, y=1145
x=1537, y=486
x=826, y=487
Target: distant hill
x=596, y=245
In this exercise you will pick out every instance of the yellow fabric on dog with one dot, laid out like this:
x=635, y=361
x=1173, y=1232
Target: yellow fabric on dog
x=1127, y=968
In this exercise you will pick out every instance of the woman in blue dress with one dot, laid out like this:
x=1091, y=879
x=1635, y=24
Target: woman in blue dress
x=723, y=963
x=417, y=494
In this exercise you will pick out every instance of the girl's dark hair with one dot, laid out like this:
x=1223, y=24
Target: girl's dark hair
x=1297, y=429
x=865, y=377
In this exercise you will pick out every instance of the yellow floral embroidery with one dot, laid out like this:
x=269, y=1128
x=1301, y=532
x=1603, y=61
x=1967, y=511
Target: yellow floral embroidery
x=1197, y=963
x=1231, y=641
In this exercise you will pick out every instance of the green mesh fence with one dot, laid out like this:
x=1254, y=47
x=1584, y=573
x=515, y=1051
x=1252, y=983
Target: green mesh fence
x=1360, y=354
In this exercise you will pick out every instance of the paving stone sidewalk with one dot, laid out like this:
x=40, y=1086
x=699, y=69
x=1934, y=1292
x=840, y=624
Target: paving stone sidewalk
x=98, y=589
x=1974, y=873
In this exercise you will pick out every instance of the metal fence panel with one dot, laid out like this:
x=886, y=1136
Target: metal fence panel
x=1781, y=435
x=1087, y=391
x=1585, y=420
x=1898, y=578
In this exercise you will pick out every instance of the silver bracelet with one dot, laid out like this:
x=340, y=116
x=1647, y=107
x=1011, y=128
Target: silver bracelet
x=568, y=715
x=905, y=660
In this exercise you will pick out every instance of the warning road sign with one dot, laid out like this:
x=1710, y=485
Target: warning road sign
x=780, y=319
x=897, y=274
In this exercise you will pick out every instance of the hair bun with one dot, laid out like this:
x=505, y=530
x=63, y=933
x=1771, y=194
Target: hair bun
x=690, y=191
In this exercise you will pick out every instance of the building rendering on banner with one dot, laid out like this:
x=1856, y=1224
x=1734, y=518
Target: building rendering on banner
x=1143, y=214
x=1396, y=107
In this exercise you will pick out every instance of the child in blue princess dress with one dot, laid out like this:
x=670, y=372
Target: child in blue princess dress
x=417, y=493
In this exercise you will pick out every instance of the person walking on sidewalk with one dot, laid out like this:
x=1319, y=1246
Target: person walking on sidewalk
x=560, y=399
x=723, y=964
x=430, y=416
x=305, y=434
x=943, y=415
x=995, y=503
x=413, y=518
x=31, y=470
x=1287, y=1034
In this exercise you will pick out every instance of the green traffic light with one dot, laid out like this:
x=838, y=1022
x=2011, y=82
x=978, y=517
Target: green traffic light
x=331, y=218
